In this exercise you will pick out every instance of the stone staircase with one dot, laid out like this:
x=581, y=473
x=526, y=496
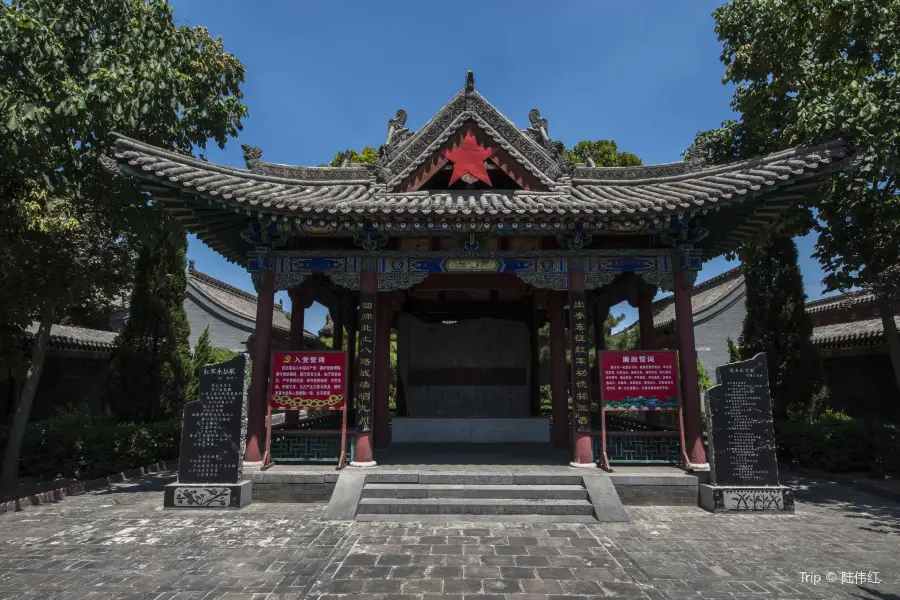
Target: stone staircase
x=565, y=497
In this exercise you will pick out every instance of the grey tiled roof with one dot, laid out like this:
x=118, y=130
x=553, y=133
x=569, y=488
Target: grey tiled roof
x=840, y=301
x=633, y=192
x=671, y=187
x=853, y=333
x=77, y=338
x=213, y=201
x=327, y=330
x=237, y=301
x=704, y=296
x=849, y=333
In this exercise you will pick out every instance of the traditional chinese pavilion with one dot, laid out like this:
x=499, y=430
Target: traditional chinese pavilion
x=463, y=238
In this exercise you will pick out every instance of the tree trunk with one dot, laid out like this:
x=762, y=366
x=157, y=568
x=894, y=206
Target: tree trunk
x=9, y=476
x=891, y=338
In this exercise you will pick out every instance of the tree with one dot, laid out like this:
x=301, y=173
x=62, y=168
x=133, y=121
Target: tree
x=810, y=70
x=604, y=153
x=151, y=365
x=777, y=324
x=367, y=155
x=70, y=73
x=734, y=353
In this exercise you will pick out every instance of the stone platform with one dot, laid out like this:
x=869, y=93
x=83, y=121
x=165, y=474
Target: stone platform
x=408, y=430
x=648, y=486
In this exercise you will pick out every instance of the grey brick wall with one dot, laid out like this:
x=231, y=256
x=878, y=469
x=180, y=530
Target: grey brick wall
x=712, y=329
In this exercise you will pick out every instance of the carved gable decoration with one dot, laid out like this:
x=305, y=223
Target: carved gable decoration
x=455, y=164
x=401, y=159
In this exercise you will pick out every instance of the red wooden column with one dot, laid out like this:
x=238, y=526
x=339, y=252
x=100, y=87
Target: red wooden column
x=645, y=295
x=259, y=382
x=337, y=338
x=402, y=409
x=645, y=316
x=601, y=311
x=578, y=332
x=363, y=379
x=687, y=358
x=352, y=324
x=299, y=303
x=560, y=408
x=534, y=339
x=382, y=425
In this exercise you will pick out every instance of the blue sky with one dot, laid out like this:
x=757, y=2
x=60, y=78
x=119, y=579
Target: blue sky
x=326, y=76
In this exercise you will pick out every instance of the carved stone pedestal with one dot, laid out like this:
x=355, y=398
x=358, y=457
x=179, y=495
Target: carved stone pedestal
x=715, y=498
x=208, y=495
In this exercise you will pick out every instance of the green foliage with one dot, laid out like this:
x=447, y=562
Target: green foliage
x=777, y=324
x=839, y=444
x=204, y=354
x=368, y=155
x=151, y=365
x=703, y=380
x=605, y=153
x=70, y=74
x=734, y=352
x=808, y=71
x=627, y=339
x=77, y=443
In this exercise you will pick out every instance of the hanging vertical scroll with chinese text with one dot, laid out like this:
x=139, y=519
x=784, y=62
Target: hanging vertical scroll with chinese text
x=365, y=380
x=581, y=381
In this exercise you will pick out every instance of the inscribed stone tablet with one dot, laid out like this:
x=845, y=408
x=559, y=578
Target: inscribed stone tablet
x=215, y=426
x=739, y=425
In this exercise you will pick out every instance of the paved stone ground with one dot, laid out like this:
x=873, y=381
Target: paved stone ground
x=122, y=545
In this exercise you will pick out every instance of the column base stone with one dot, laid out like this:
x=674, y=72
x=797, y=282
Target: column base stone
x=363, y=465
x=578, y=465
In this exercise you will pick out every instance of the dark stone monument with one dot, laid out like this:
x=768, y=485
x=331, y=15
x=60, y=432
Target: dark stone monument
x=741, y=437
x=211, y=461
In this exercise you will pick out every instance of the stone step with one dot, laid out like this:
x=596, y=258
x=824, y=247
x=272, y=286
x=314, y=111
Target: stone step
x=457, y=519
x=475, y=477
x=473, y=506
x=450, y=490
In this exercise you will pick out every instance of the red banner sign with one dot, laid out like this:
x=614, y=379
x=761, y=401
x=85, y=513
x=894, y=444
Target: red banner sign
x=639, y=380
x=308, y=380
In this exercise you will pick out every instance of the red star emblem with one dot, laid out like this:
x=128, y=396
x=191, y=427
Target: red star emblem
x=469, y=159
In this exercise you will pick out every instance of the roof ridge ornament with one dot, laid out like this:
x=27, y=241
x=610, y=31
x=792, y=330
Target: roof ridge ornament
x=469, y=91
x=345, y=157
x=252, y=157
x=540, y=133
x=397, y=131
x=695, y=158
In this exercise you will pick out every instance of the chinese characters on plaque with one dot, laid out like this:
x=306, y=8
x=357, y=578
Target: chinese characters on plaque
x=308, y=380
x=365, y=379
x=639, y=380
x=581, y=380
x=212, y=436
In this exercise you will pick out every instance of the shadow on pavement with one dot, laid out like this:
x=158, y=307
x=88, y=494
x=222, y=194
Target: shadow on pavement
x=874, y=513
x=155, y=482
